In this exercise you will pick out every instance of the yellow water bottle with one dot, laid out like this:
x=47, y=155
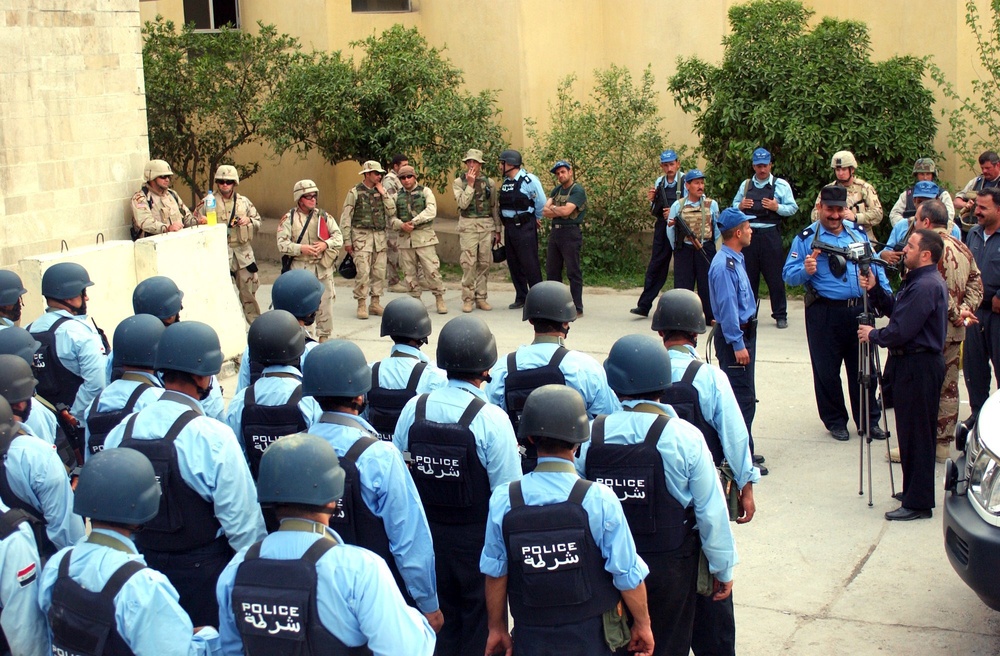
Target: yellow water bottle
x=210, y=215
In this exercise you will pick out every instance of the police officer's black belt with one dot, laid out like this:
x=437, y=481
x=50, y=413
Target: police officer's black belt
x=109, y=542
x=910, y=351
x=564, y=467
x=847, y=302
x=556, y=226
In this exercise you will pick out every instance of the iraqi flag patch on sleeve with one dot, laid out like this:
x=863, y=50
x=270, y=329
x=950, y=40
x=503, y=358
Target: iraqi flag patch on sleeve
x=26, y=575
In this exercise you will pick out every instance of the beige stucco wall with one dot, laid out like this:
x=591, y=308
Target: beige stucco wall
x=524, y=48
x=72, y=122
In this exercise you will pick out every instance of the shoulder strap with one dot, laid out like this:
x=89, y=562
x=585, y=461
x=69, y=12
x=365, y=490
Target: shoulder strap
x=359, y=447
x=746, y=187
x=597, y=431
x=10, y=520
x=655, y=429
x=179, y=424
x=421, y=408
x=316, y=551
x=558, y=356
x=120, y=578
x=149, y=199
x=176, y=198
x=129, y=427
x=58, y=322
x=691, y=371
x=249, y=397
x=341, y=420
x=471, y=411
x=375, y=368
x=132, y=399
x=516, y=497
x=183, y=399
x=512, y=361
x=253, y=553
x=64, y=564
x=305, y=226
x=579, y=491
x=415, y=374
x=296, y=396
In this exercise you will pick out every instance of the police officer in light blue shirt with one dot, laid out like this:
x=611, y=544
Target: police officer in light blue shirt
x=21, y=621
x=11, y=291
x=550, y=309
x=461, y=448
x=558, y=547
x=274, y=406
x=670, y=516
x=833, y=301
x=893, y=252
x=300, y=293
x=210, y=507
x=102, y=588
x=407, y=372
x=304, y=581
x=521, y=201
x=135, y=342
x=35, y=418
x=383, y=512
x=73, y=357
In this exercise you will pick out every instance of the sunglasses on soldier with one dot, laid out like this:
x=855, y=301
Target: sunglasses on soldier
x=406, y=177
x=225, y=182
x=310, y=196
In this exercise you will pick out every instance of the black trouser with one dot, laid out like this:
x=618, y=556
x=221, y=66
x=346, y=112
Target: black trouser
x=461, y=588
x=565, y=243
x=741, y=378
x=671, y=589
x=691, y=267
x=194, y=573
x=765, y=255
x=584, y=638
x=981, y=350
x=832, y=334
x=522, y=256
x=658, y=267
x=918, y=377
x=714, y=627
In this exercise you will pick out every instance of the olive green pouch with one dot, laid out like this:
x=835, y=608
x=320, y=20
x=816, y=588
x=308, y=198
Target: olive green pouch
x=706, y=582
x=730, y=490
x=616, y=631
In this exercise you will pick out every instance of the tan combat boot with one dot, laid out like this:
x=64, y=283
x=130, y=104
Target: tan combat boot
x=441, y=307
x=483, y=305
x=375, y=308
x=362, y=309
x=467, y=305
x=893, y=455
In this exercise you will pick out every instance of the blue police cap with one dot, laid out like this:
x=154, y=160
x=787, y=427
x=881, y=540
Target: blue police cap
x=730, y=218
x=926, y=189
x=558, y=165
x=668, y=156
x=693, y=174
x=761, y=156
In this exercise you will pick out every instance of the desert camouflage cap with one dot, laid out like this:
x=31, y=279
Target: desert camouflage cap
x=371, y=165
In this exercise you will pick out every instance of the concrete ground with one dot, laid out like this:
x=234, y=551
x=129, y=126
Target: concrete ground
x=820, y=572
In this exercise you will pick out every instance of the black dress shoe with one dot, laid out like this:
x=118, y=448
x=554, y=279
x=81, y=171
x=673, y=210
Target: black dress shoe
x=878, y=433
x=639, y=311
x=782, y=324
x=840, y=434
x=516, y=305
x=898, y=496
x=758, y=459
x=763, y=470
x=902, y=514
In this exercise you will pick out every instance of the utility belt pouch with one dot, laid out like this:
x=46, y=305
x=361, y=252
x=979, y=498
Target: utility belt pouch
x=286, y=263
x=730, y=490
x=616, y=631
x=705, y=579
x=810, y=296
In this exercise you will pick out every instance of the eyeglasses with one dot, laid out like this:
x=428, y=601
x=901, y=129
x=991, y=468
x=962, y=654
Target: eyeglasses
x=225, y=182
x=163, y=177
x=310, y=196
x=406, y=177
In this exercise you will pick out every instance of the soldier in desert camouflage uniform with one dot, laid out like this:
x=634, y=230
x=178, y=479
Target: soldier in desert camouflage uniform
x=393, y=269
x=368, y=210
x=416, y=209
x=156, y=208
x=863, y=206
x=479, y=228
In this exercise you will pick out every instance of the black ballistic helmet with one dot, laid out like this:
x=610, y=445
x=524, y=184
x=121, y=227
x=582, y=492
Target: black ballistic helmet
x=158, y=296
x=17, y=381
x=555, y=411
x=136, y=339
x=298, y=292
x=511, y=157
x=549, y=300
x=8, y=426
x=336, y=368
x=406, y=317
x=638, y=364
x=189, y=346
x=276, y=337
x=466, y=346
x=18, y=341
x=300, y=469
x=65, y=280
x=11, y=288
x=680, y=310
x=118, y=486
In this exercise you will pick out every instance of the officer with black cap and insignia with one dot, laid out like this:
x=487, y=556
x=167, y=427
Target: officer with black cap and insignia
x=558, y=548
x=302, y=589
x=833, y=301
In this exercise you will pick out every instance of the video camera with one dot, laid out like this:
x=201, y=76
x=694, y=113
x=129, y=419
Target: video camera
x=859, y=252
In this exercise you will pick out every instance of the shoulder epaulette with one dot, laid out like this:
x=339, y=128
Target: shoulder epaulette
x=808, y=232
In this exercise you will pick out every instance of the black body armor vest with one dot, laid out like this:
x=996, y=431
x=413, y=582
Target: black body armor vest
x=385, y=405
x=56, y=383
x=513, y=198
x=100, y=423
x=683, y=397
x=758, y=211
x=522, y=382
x=264, y=424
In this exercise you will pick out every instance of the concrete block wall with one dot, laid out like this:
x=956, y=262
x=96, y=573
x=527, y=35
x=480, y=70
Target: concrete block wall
x=74, y=137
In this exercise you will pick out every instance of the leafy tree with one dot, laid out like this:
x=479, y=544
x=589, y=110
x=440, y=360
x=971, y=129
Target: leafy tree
x=402, y=96
x=805, y=94
x=612, y=142
x=206, y=94
x=975, y=121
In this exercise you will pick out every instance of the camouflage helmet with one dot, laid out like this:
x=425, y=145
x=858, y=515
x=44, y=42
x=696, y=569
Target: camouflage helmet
x=843, y=159
x=227, y=172
x=155, y=168
x=303, y=187
x=925, y=165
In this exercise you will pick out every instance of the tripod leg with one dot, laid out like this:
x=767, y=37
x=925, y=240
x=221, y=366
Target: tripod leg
x=863, y=412
x=885, y=424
